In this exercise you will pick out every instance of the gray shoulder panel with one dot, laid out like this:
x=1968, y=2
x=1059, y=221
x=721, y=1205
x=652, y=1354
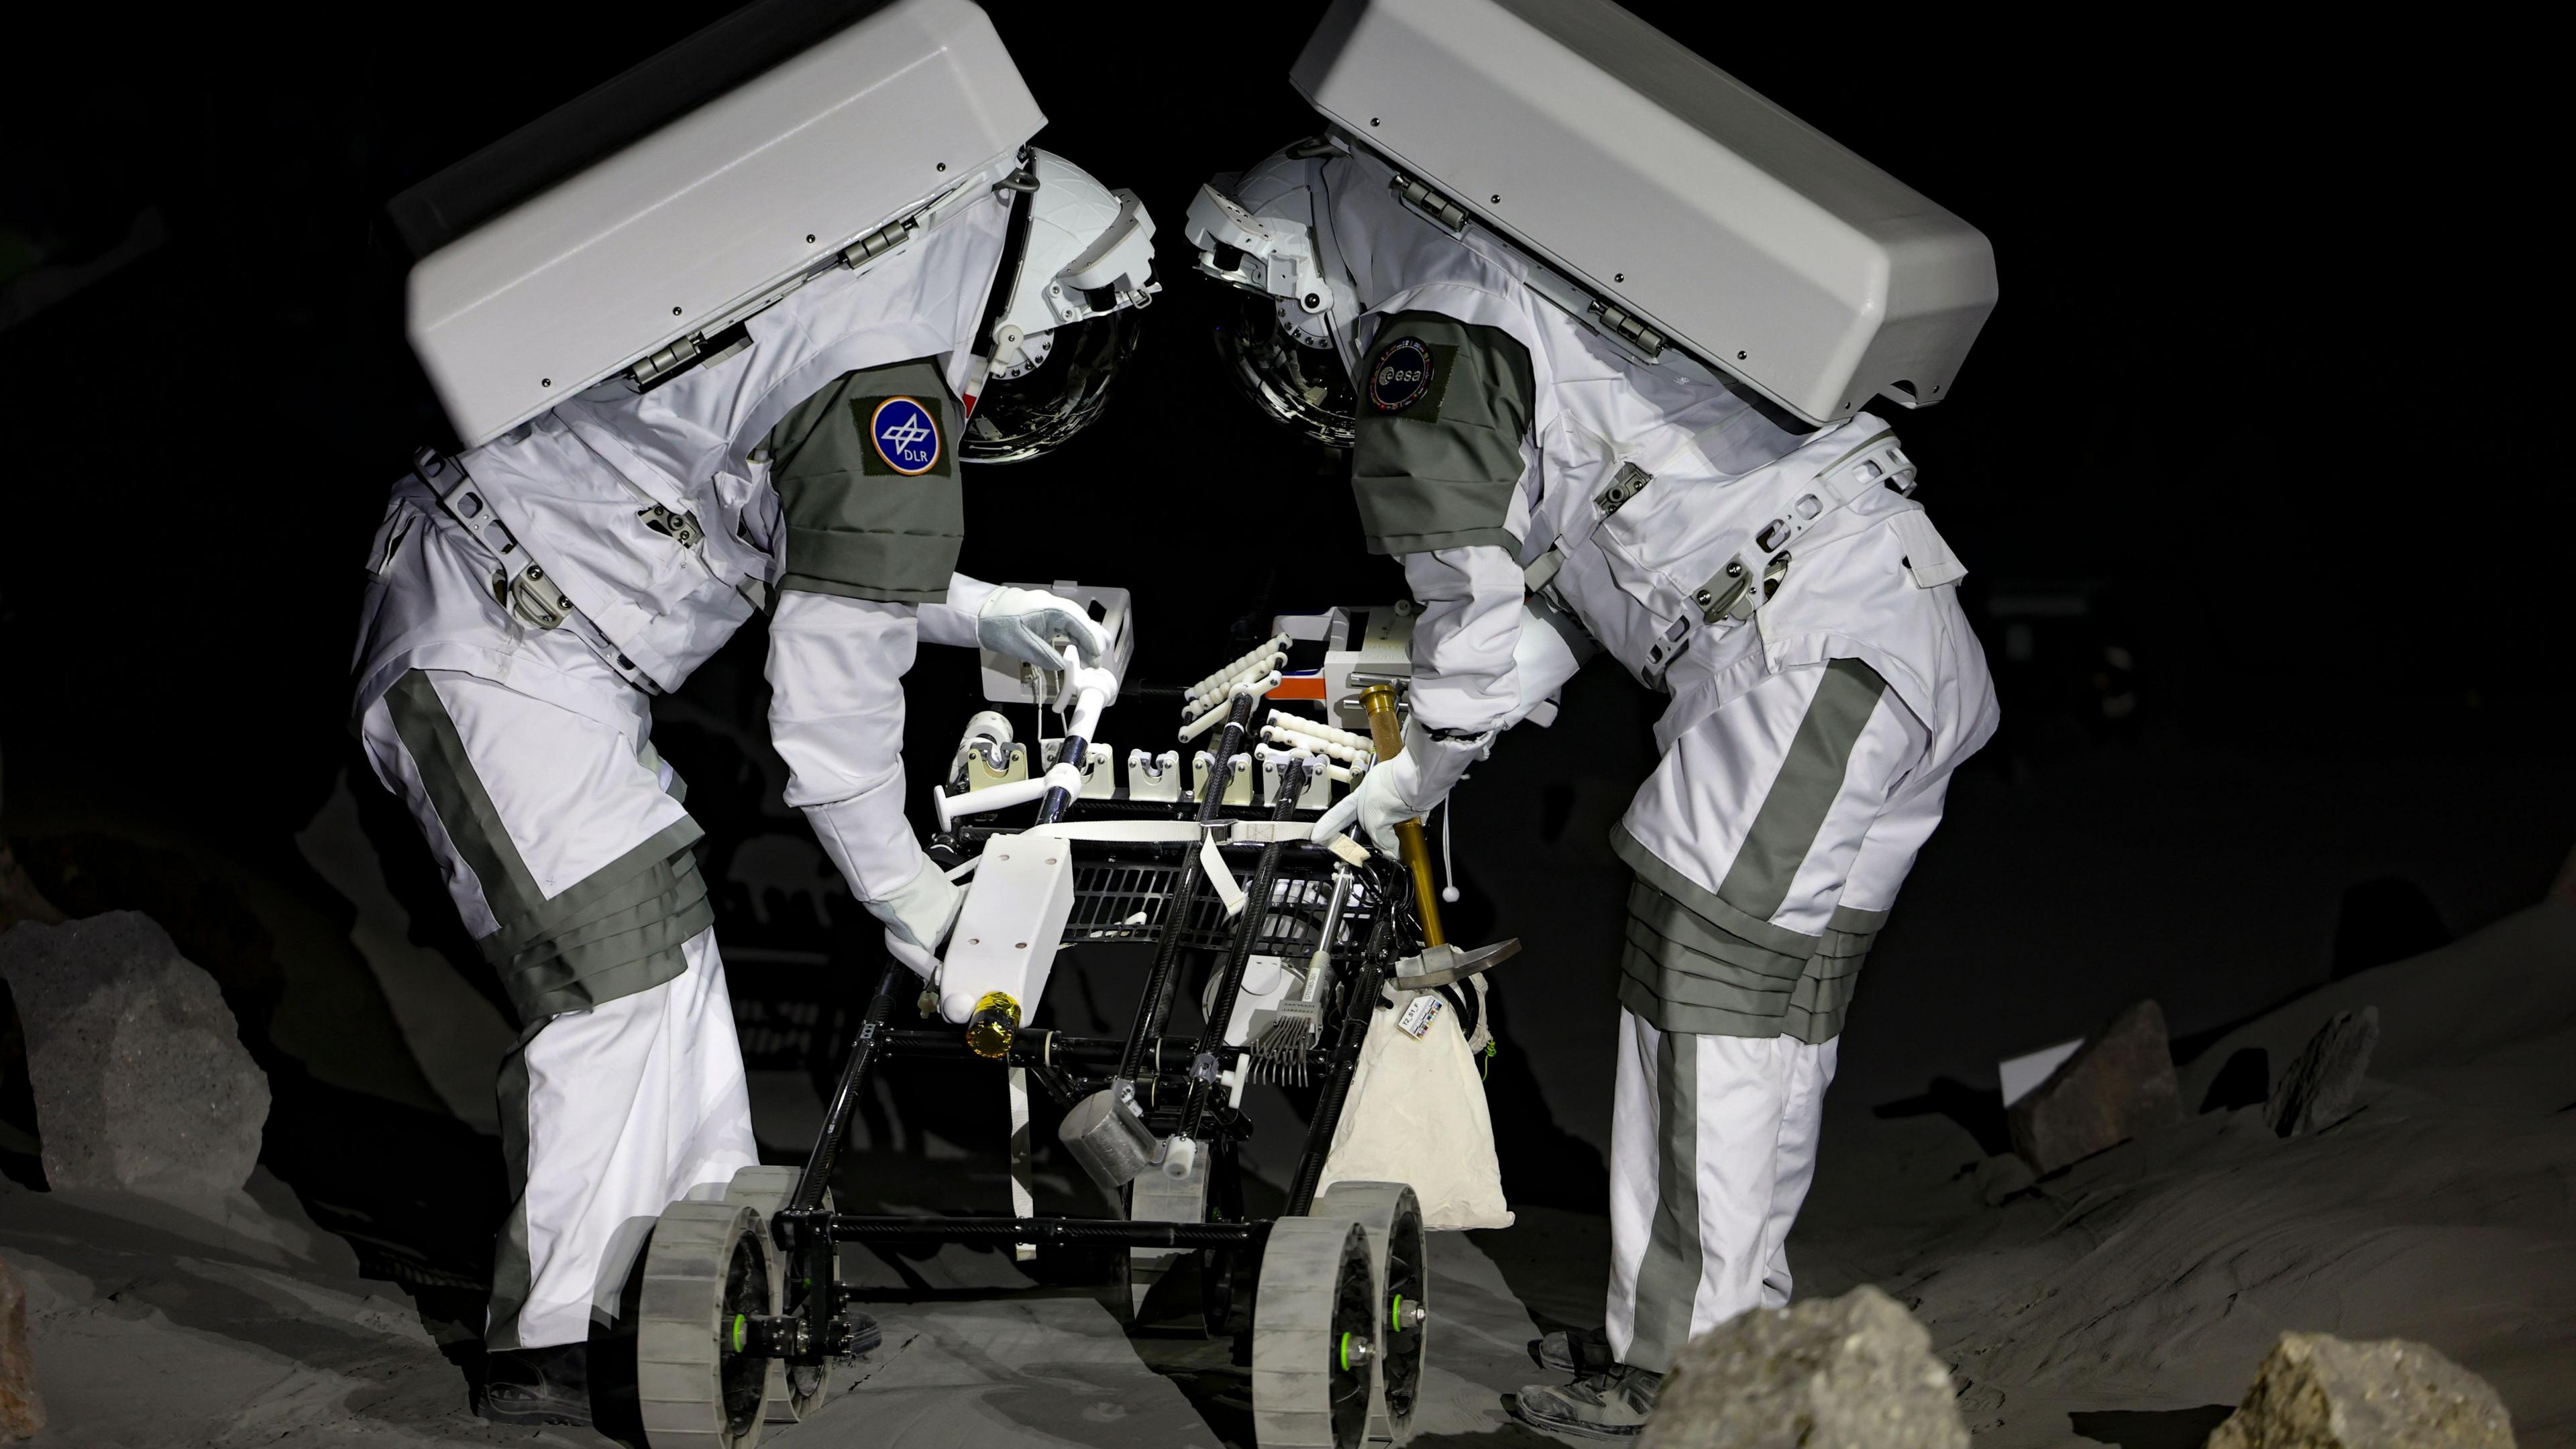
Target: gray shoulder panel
x=1444, y=408
x=866, y=473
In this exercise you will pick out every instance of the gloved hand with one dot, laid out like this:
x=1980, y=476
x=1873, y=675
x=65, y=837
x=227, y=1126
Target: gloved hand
x=1025, y=623
x=918, y=916
x=1415, y=782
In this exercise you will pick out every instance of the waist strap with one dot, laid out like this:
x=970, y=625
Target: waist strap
x=519, y=583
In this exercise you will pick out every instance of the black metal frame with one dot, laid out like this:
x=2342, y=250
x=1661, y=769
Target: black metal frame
x=1177, y=1078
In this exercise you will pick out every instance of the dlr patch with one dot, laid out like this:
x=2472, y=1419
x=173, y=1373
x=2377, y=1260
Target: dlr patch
x=904, y=435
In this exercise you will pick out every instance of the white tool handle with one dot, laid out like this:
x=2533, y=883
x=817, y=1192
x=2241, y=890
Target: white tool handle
x=1347, y=754
x=1223, y=689
x=1316, y=730
x=1220, y=708
x=1092, y=688
x=1275, y=644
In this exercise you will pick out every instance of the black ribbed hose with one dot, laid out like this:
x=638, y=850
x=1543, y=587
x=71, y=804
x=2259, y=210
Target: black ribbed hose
x=1185, y=894
x=1247, y=932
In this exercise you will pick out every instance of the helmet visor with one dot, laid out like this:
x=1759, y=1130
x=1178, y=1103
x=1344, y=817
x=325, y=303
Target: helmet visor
x=1034, y=413
x=1299, y=383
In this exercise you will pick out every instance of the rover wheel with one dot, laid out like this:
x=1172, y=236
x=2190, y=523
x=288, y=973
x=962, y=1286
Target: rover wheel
x=1400, y=1269
x=1314, y=1336
x=794, y=1390
x=706, y=1268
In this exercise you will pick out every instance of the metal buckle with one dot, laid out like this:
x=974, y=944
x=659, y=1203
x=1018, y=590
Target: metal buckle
x=681, y=528
x=1717, y=599
x=1625, y=484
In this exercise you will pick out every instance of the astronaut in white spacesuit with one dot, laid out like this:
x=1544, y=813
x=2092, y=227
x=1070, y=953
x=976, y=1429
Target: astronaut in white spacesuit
x=1596, y=323
x=875, y=281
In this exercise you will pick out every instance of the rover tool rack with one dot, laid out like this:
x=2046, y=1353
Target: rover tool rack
x=741, y=1315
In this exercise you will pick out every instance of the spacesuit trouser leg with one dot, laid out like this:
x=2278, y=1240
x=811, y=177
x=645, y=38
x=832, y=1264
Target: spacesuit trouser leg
x=568, y=858
x=1712, y=1147
x=1768, y=847
x=618, y=1110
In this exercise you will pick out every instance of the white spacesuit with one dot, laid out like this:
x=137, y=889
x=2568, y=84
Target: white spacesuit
x=630, y=495
x=1531, y=423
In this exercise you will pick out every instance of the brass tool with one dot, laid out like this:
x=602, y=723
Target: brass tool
x=1411, y=847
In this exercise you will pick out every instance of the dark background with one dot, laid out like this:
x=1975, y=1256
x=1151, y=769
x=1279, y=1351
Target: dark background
x=2249, y=464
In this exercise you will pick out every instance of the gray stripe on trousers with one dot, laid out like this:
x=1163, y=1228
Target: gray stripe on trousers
x=1810, y=778
x=513, y=1277
x=612, y=933
x=644, y=873
x=456, y=793
x=1668, y=1278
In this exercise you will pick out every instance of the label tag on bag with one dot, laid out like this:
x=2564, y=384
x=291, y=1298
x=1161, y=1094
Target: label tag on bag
x=1417, y=1018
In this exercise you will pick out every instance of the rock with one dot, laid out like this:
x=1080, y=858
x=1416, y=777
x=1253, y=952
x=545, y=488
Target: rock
x=2316, y=1391
x=22, y=1413
x=1854, y=1372
x=87, y=874
x=2118, y=1084
x=140, y=1078
x=2318, y=1089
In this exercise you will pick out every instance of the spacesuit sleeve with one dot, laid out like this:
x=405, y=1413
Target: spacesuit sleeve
x=1444, y=412
x=952, y=620
x=866, y=473
x=836, y=667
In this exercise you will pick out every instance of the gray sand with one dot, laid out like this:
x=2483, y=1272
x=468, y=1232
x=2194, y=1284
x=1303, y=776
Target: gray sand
x=2118, y=1301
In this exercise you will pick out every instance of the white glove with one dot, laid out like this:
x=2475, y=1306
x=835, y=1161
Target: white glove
x=1026, y=624
x=918, y=916
x=1413, y=783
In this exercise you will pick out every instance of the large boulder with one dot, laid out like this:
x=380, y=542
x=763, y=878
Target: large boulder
x=140, y=1079
x=1854, y=1372
x=22, y=1413
x=2318, y=1089
x=2316, y=1391
x=2118, y=1084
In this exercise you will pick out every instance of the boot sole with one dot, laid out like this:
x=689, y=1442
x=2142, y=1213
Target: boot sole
x=1576, y=1428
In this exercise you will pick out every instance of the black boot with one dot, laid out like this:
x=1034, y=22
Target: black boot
x=1612, y=1404
x=1575, y=1351
x=537, y=1385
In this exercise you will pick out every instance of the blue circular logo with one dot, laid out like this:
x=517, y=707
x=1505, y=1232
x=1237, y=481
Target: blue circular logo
x=906, y=435
x=1401, y=376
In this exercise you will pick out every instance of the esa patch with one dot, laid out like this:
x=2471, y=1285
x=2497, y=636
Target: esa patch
x=1405, y=373
x=905, y=435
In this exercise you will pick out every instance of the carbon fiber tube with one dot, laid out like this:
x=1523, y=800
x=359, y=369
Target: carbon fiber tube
x=836, y=1120
x=851, y=1228
x=1028, y=1048
x=1230, y=984
x=1185, y=893
x=1075, y=748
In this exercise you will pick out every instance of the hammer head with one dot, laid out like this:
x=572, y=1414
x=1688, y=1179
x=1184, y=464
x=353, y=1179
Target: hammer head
x=1442, y=965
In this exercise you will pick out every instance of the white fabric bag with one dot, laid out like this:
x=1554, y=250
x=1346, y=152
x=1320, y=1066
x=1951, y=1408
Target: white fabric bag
x=1416, y=1114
